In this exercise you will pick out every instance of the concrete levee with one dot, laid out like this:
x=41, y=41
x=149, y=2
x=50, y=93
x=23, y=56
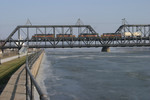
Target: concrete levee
x=36, y=65
x=15, y=88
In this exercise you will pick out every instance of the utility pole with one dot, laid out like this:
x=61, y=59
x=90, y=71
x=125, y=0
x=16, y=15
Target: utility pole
x=79, y=22
x=123, y=21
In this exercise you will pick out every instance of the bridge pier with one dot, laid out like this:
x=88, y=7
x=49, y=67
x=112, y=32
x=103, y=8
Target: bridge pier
x=2, y=51
x=1, y=55
x=105, y=49
x=18, y=53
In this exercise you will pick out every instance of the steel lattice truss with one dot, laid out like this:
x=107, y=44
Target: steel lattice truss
x=22, y=36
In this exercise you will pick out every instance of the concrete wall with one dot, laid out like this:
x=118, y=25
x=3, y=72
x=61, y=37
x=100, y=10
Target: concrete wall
x=36, y=65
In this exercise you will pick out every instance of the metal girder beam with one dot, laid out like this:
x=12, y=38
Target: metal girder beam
x=137, y=25
x=76, y=41
x=91, y=29
x=127, y=26
x=119, y=29
x=91, y=45
x=56, y=26
x=10, y=36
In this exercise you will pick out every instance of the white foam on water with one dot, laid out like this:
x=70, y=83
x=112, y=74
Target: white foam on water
x=40, y=78
x=63, y=57
x=88, y=57
x=71, y=96
x=125, y=56
x=71, y=56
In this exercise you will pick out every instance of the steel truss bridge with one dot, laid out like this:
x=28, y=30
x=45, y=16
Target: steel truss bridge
x=22, y=36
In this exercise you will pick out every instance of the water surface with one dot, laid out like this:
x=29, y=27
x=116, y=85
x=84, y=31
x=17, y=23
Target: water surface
x=88, y=74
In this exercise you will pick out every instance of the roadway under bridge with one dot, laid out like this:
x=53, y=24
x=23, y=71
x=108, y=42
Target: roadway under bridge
x=22, y=36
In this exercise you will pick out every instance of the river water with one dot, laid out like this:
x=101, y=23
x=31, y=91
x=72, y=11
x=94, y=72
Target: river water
x=88, y=74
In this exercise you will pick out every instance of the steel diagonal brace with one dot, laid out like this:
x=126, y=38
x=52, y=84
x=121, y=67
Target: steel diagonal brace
x=10, y=36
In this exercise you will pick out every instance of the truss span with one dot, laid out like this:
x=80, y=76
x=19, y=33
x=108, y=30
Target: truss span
x=22, y=36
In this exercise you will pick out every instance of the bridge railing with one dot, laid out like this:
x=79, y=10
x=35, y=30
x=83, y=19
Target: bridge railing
x=30, y=80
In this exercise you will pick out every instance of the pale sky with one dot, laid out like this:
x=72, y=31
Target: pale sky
x=103, y=15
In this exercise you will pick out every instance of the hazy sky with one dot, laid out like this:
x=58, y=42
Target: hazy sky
x=102, y=15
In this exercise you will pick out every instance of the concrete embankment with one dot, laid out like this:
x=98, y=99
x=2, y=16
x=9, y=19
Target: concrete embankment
x=36, y=65
x=15, y=88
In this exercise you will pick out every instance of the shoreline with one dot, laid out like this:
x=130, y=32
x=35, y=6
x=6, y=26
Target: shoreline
x=40, y=78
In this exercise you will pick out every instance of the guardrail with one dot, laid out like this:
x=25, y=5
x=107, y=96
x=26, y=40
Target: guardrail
x=30, y=80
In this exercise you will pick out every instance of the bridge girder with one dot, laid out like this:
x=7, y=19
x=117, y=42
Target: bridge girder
x=22, y=35
x=144, y=29
x=28, y=30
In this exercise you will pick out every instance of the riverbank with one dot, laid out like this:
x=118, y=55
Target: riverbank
x=8, y=68
x=15, y=88
x=41, y=76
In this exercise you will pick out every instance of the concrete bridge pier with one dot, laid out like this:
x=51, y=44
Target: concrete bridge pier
x=2, y=50
x=105, y=49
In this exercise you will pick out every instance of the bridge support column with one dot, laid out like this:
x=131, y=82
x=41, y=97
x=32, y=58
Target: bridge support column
x=1, y=56
x=18, y=53
x=2, y=51
x=105, y=49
